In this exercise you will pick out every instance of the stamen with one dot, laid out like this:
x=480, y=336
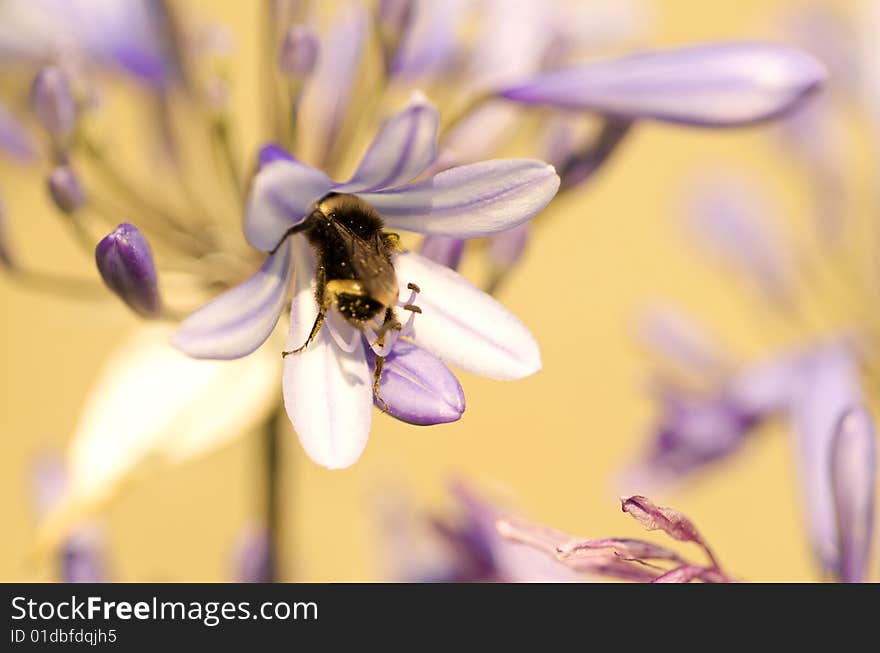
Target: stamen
x=347, y=347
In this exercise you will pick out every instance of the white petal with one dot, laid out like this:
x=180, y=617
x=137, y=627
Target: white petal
x=328, y=393
x=463, y=325
x=471, y=200
x=280, y=198
x=404, y=147
x=151, y=403
x=239, y=321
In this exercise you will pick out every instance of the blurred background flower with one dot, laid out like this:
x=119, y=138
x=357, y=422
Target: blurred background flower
x=557, y=439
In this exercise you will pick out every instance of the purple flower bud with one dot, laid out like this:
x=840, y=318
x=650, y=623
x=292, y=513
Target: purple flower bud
x=6, y=259
x=53, y=102
x=443, y=250
x=299, y=51
x=418, y=388
x=853, y=476
x=125, y=262
x=65, y=189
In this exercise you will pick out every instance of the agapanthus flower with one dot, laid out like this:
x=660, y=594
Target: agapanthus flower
x=811, y=384
x=327, y=386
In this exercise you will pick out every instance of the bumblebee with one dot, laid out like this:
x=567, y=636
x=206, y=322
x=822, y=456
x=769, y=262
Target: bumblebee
x=354, y=271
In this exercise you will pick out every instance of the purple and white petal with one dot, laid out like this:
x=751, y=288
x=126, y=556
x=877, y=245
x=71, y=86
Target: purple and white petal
x=463, y=325
x=828, y=388
x=281, y=197
x=239, y=321
x=417, y=387
x=470, y=201
x=328, y=393
x=853, y=482
x=404, y=147
x=713, y=85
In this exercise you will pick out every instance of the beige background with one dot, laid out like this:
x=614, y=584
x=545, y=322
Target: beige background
x=556, y=442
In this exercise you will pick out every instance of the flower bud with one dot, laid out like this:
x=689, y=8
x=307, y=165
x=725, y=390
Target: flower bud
x=417, y=387
x=299, y=51
x=53, y=102
x=65, y=189
x=125, y=262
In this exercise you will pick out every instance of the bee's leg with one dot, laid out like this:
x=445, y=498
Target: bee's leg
x=377, y=377
x=328, y=294
x=389, y=324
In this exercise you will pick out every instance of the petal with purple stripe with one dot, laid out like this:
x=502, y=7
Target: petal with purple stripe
x=282, y=194
x=417, y=387
x=463, y=325
x=328, y=393
x=713, y=85
x=404, y=147
x=471, y=200
x=238, y=321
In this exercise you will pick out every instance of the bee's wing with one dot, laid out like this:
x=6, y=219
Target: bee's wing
x=371, y=265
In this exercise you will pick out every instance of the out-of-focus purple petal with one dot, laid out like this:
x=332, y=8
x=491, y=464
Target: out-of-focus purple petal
x=239, y=321
x=402, y=149
x=443, y=250
x=429, y=43
x=328, y=393
x=14, y=140
x=125, y=261
x=417, y=387
x=507, y=247
x=253, y=558
x=716, y=85
x=463, y=325
x=272, y=152
x=326, y=97
x=672, y=334
x=828, y=387
x=299, y=51
x=731, y=223
x=853, y=482
x=472, y=200
x=82, y=560
x=65, y=189
x=281, y=195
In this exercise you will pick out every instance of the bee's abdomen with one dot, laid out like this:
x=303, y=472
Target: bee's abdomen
x=358, y=308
